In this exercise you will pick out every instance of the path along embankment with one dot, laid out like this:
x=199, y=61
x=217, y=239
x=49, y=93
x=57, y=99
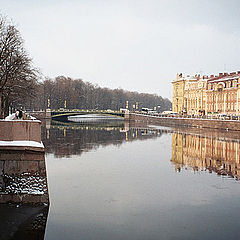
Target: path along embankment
x=185, y=122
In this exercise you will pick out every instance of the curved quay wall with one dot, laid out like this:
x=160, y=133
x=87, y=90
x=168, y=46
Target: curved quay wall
x=186, y=122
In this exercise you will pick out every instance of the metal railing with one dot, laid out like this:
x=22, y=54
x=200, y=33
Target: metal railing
x=210, y=117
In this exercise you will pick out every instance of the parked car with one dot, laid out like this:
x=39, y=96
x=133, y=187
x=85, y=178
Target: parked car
x=234, y=117
x=223, y=116
x=170, y=113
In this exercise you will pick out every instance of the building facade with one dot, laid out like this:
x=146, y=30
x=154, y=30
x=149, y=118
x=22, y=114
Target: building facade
x=178, y=94
x=202, y=95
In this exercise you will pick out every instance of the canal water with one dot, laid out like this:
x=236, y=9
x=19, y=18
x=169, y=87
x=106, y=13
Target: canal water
x=116, y=181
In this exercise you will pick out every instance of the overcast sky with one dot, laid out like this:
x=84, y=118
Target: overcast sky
x=136, y=45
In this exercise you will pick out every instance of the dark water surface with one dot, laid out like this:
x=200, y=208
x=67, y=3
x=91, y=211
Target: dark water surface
x=121, y=182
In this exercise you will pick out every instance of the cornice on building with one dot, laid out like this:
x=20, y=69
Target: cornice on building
x=225, y=77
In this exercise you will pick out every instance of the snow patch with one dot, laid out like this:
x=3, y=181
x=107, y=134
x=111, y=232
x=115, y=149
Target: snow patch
x=13, y=117
x=10, y=117
x=22, y=143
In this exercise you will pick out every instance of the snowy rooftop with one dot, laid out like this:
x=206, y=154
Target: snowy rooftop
x=224, y=78
x=212, y=78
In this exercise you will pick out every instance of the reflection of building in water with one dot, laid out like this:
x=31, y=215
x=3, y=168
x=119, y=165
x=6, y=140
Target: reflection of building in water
x=205, y=152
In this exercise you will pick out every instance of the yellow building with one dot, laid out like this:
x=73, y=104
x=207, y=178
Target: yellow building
x=195, y=95
x=178, y=94
x=201, y=95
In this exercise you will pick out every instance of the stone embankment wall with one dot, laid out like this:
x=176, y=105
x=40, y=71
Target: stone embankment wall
x=23, y=177
x=22, y=165
x=20, y=130
x=187, y=122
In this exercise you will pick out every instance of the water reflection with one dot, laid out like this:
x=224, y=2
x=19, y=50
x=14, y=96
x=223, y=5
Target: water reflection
x=210, y=151
x=23, y=195
x=131, y=191
x=199, y=150
x=66, y=139
x=95, y=118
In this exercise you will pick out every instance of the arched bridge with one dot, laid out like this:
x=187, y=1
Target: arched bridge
x=61, y=115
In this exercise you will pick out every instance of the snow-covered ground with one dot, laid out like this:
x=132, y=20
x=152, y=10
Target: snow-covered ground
x=25, y=184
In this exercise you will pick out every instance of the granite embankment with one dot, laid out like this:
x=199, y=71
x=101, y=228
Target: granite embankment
x=185, y=122
x=20, y=135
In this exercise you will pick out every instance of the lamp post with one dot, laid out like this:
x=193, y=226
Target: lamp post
x=136, y=106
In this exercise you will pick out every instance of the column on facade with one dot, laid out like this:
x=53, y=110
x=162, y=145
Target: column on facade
x=216, y=102
x=236, y=151
x=197, y=107
x=224, y=102
x=237, y=104
x=224, y=150
x=206, y=103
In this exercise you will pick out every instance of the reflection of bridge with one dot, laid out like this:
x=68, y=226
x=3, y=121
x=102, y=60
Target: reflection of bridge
x=62, y=114
x=67, y=138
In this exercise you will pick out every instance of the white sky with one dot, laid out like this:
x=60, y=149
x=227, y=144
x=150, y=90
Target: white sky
x=136, y=45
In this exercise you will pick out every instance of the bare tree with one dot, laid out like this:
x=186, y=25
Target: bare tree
x=84, y=95
x=18, y=77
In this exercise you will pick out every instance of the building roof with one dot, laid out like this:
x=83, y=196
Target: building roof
x=224, y=77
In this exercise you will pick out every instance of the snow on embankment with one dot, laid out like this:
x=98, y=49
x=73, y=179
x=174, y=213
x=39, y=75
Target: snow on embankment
x=21, y=144
x=20, y=133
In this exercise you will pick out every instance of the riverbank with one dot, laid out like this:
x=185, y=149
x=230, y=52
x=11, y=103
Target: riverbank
x=233, y=125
